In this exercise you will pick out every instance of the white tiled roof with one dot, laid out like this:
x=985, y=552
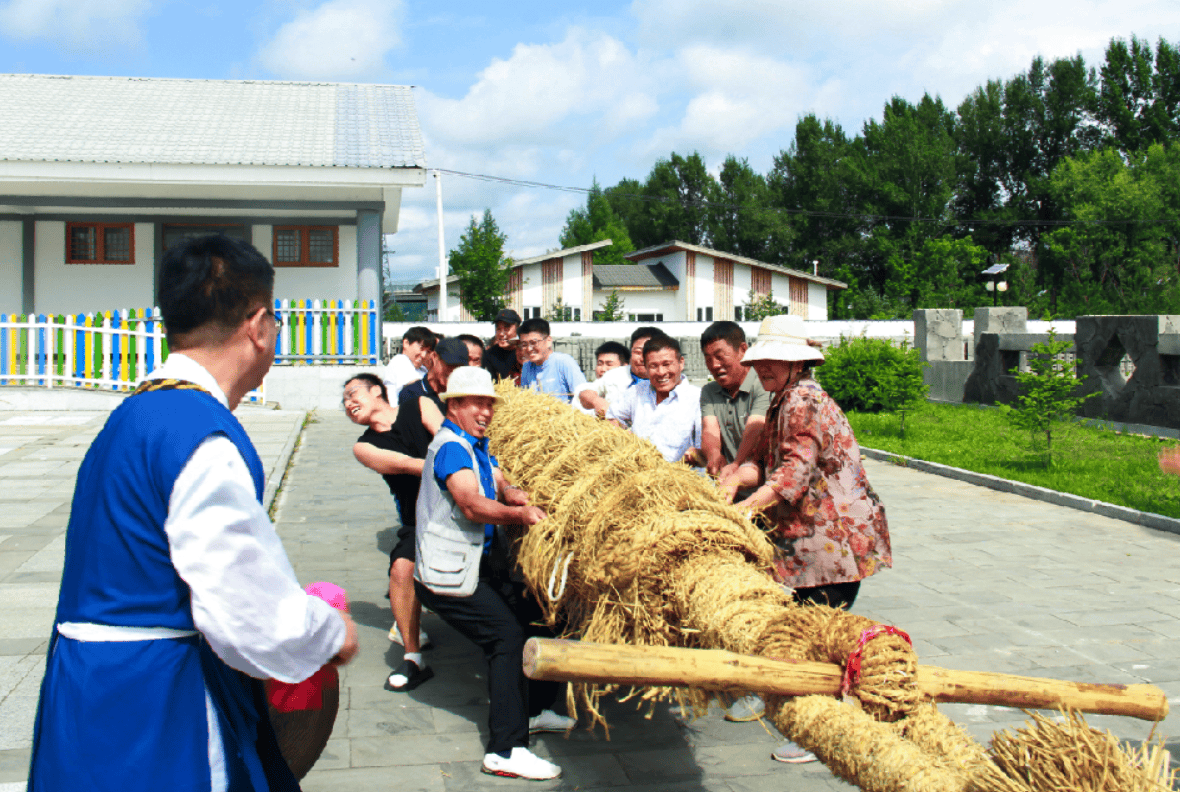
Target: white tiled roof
x=207, y=122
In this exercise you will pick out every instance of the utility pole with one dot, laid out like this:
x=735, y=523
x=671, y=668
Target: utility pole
x=442, y=251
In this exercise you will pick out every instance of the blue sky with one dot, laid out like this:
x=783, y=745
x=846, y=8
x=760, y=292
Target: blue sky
x=566, y=92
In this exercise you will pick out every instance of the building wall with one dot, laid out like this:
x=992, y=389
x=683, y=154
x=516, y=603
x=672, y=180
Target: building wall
x=741, y=284
x=703, y=290
x=85, y=288
x=817, y=298
x=645, y=302
x=531, y=290
x=313, y=283
x=571, y=295
x=11, y=266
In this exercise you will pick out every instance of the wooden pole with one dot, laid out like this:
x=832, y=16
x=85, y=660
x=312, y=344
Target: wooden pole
x=719, y=670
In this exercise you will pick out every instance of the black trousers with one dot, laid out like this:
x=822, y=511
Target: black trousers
x=497, y=617
x=838, y=595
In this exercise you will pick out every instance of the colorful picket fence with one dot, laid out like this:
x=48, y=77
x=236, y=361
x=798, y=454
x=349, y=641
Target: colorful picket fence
x=114, y=350
x=332, y=332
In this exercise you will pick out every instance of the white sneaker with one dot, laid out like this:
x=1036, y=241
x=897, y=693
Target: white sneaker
x=395, y=635
x=747, y=708
x=523, y=763
x=550, y=721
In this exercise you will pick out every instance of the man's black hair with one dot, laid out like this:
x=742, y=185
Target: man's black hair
x=729, y=332
x=470, y=339
x=644, y=332
x=659, y=342
x=371, y=380
x=613, y=348
x=533, y=326
x=212, y=280
x=421, y=335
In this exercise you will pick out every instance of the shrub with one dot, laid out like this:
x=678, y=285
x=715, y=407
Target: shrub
x=873, y=375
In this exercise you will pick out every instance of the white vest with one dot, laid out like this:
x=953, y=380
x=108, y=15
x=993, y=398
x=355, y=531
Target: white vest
x=449, y=546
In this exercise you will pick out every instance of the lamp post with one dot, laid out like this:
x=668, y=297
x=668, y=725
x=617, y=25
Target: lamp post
x=994, y=284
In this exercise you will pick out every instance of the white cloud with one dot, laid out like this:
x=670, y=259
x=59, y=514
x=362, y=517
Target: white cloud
x=547, y=94
x=91, y=25
x=339, y=39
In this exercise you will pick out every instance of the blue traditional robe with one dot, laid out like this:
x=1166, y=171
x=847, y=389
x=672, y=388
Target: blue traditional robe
x=131, y=715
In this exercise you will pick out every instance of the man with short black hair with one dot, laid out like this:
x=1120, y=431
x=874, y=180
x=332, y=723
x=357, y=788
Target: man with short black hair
x=733, y=409
x=666, y=408
x=475, y=349
x=412, y=363
x=595, y=397
x=176, y=589
x=609, y=355
x=555, y=373
x=500, y=356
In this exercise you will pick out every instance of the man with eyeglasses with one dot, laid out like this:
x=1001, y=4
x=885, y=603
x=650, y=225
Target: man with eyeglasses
x=555, y=373
x=177, y=598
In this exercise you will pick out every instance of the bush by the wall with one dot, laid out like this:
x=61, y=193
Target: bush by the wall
x=871, y=375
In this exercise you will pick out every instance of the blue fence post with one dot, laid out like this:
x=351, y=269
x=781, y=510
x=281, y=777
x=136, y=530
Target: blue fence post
x=116, y=348
x=39, y=348
x=80, y=348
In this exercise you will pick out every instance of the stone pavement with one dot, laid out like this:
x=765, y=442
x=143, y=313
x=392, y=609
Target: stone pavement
x=982, y=581
x=39, y=457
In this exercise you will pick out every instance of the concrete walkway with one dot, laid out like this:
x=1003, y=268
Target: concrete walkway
x=40, y=453
x=982, y=580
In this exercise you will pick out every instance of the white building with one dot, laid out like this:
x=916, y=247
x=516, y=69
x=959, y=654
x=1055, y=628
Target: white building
x=99, y=175
x=673, y=282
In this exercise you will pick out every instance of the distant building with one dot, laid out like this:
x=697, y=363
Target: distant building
x=673, y=282
x=99, y=175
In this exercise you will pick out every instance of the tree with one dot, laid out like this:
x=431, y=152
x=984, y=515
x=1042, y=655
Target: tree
x=1139, y=101
x=758, y=307
x=559, y=312
x=1047, y=393
x=741, y=219
x=482, y=268
x=671, y=203
x=612, y=308
x=595, y=222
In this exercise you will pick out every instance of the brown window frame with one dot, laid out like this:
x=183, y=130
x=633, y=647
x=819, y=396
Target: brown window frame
x=99, y=243
x=305, y=246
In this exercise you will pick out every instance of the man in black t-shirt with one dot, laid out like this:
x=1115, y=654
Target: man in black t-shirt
x=500, y=356
x=396, y=450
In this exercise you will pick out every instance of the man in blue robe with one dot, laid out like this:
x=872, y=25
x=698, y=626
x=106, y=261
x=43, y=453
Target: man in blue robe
x=176, y=594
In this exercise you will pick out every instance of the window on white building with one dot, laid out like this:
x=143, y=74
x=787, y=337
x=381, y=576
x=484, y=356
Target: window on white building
x=705, y=314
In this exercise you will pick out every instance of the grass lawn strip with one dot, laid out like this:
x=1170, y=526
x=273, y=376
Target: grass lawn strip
x=1092, y=463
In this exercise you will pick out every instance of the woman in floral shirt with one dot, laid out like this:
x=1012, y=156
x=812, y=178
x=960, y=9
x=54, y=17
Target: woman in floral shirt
x=826, y=523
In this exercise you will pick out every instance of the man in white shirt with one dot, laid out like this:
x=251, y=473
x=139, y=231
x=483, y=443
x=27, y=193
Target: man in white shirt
x=174, y=578
x=411, y=364
x=595, y=397
x=666, y=408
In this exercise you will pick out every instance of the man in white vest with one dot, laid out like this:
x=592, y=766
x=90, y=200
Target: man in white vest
x=462, y=498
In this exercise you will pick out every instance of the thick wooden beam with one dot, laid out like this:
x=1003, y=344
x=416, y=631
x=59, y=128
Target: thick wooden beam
x=716, y=669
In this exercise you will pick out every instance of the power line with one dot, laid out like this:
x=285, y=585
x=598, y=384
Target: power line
x=707, y=204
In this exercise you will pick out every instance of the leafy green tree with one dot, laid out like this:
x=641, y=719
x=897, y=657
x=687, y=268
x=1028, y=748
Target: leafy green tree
x=559, y=312
x=760, y=306
x=674, y=202
x=1047, y=393
x=873, y=375
x=595, y=222
x=482, y=268
x=1139, y=101
x=741, y=219
x=612, y=308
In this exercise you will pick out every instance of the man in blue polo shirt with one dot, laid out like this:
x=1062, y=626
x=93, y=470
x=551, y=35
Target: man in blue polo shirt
x=462, y=499
x=555, y=373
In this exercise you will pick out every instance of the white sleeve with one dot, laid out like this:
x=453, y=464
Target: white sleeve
x=622, y=409
x=246, y=599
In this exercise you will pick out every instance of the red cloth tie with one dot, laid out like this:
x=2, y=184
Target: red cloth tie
x=852, y=669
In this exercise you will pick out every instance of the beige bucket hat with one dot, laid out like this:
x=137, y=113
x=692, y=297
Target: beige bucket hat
x=782, y=338
x=469, y=381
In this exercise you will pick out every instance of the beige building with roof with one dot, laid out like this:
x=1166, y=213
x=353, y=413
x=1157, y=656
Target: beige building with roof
x=99, y=175
x=673, y=282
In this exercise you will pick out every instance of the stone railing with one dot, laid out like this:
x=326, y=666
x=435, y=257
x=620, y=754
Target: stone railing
x=1132, y=362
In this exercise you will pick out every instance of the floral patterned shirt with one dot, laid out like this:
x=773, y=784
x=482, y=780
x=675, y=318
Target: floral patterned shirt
x=829, y=526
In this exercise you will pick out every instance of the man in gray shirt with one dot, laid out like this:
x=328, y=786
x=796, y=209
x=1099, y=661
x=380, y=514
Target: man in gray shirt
x=733, y=409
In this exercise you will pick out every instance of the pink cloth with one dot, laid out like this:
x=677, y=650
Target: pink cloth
x=309, y=694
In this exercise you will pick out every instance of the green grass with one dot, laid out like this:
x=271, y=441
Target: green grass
x=1094, y=463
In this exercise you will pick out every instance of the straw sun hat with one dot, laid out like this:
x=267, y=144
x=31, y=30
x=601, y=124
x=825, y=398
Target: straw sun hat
x=469, y=381
x=782, y=338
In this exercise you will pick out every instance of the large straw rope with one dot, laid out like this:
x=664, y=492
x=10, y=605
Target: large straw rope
x=639, y=551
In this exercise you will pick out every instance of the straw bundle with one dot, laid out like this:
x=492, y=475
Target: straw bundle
x=639, y=551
